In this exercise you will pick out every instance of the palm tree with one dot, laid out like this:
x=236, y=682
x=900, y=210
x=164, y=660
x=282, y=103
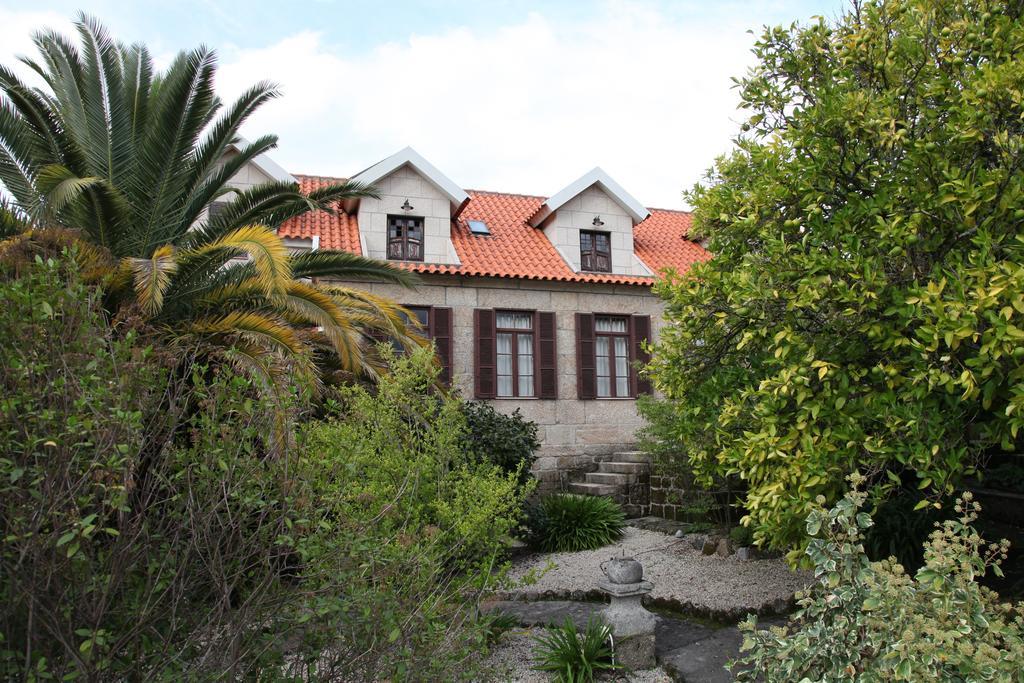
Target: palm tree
x=129, y=161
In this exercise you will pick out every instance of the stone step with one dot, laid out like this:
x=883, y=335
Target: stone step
x=610, y=478
x=631, y=456
x=624, y=467
x=589, y=489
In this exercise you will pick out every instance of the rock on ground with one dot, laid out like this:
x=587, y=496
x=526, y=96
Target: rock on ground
x=725, y=588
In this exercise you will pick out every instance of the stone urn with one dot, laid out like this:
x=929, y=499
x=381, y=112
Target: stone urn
x=623, y=570
x=632, y=625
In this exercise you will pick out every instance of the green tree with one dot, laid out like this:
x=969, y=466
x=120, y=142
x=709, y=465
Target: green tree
x=863, y=310
x=130, y=160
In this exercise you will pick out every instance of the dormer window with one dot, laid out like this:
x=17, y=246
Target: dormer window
x=405, y=238
x=595, y=251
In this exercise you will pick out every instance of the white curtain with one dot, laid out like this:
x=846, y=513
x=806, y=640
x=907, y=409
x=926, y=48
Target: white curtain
x=621, y=367
x=525, y=365
x=504, y=364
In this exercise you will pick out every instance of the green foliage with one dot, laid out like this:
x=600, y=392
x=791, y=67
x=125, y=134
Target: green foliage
x=508, y=441
x=566, y=522
x=358, y=554
x=741, y=536
x=497, y=623
x=900, y=528
x=572, y=656
x=865, y=621
x=400, y=443
x=863, y=308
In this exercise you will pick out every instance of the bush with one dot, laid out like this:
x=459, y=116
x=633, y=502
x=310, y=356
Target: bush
x=100, y=577
x=566, y=522
x=574, y=657
x=873, y=622
x=862, y=311
x=357, y=554
x=508, y=441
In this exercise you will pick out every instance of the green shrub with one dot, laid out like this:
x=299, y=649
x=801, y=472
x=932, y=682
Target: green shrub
x=869, y=621
x=565, y=522
x=574, y=657
x=741, y=536
x=357, y=554
x=508, y=441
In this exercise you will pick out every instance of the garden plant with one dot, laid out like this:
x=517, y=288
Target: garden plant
x=863, y=309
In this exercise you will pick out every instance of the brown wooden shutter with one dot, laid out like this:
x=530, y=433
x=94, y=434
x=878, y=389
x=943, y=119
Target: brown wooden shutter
x=586, y=371
x=441, y=332
x=485, y=370
x=640, y=333
x=547, y=333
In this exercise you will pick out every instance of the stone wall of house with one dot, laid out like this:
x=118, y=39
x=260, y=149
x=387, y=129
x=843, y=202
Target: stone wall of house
x=563, y=229
x=575, y=434
x=428, y=203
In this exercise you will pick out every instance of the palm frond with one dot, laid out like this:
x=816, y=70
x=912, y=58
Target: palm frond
x=138, y=78
x=151, y=278
x=61, y=187
x=267, y=250
x=182, y=105
x=319, y=308
x=344, y=265
x=254, y=327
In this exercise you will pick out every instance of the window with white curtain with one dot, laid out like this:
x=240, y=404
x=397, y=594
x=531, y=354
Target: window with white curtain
x=611, y=347
x=514, y=339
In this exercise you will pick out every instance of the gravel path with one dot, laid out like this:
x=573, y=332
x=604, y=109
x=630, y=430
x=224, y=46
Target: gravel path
x=683, y=578
x=512, y=660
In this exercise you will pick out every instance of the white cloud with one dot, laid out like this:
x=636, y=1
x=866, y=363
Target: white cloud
x=526, y=107
x=16, y=30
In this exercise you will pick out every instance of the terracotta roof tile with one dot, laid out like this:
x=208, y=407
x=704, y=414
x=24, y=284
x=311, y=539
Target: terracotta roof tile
x=514, y=249
x=336, y=231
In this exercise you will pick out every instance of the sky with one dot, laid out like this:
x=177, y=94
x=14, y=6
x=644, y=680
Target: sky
x=506, y=95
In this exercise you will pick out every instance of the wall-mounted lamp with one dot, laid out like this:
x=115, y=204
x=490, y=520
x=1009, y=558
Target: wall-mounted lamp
x=407, y=206
x=598, y=222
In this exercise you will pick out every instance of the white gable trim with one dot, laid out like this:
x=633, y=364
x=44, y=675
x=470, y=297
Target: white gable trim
x=597, y=176
x=456, y=195
x=266, y=164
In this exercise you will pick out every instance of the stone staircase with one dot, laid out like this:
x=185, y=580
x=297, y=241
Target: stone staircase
x=625, y=478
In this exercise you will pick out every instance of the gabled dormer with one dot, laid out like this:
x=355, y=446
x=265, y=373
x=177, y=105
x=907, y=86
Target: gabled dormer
x=590, y=222
x=411, y=221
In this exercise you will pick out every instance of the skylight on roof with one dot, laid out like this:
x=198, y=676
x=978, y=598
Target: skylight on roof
x=479, y=228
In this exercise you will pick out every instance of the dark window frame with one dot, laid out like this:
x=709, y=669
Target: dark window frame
x=612, y=375
x=404, y=224
x=428, y=326
x=590, y=258
x=534, y=333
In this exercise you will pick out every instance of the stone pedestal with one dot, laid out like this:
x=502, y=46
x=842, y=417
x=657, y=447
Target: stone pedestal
x=631, y=624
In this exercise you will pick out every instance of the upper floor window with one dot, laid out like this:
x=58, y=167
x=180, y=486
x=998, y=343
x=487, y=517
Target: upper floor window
x=405, y=238
x=595, y=251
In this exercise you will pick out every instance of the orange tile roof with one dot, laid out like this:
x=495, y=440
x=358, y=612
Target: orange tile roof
x=514, y=249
